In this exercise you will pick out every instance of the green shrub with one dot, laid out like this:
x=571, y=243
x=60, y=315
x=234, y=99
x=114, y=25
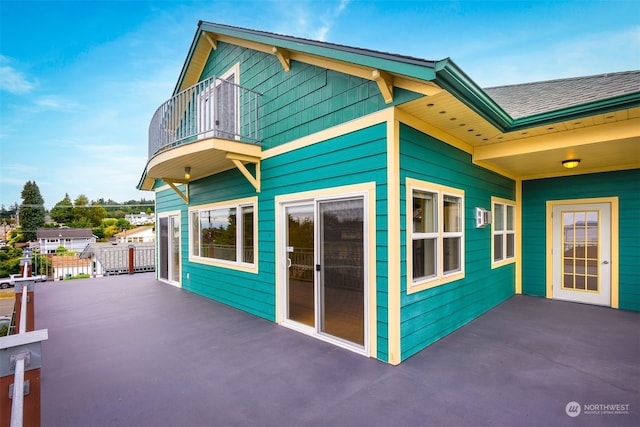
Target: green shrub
x=79, y=276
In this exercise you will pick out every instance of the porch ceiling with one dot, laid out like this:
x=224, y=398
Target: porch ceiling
x=204, y=157
x=607, y=141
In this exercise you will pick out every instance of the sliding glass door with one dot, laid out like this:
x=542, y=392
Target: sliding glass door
x=169, y=248
x=325, y=263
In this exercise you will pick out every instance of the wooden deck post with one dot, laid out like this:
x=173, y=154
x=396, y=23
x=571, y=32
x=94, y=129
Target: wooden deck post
x=131, y=259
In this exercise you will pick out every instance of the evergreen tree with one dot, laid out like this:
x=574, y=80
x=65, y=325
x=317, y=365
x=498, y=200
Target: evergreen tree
x=31, y=210
x=62, y=212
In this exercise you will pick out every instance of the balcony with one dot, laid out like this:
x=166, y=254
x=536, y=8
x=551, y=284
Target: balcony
x=208, y=128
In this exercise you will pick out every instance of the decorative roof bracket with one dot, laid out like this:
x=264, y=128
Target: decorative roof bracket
x=283, y=57
x=212, y=40
x=184, y=196
x=385, y=84
x=238, y=160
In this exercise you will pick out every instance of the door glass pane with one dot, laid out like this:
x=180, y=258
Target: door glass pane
x=580, y=254
x=175, y=249
x=226, y=106
x=300, y=265
x=342, y=269
x=163, y=246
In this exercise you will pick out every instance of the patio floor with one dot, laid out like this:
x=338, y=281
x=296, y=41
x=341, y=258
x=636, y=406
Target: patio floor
x=131, y=351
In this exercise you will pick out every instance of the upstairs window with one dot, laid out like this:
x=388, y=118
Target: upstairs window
x=435, y=231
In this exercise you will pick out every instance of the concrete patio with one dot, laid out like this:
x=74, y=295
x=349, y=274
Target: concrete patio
x=131, y=351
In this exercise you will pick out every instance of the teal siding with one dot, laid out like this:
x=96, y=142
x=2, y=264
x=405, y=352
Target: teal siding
x=250, y=292
x=305, y=100
x=623, y=184
x=431, y=314
x=354, y=158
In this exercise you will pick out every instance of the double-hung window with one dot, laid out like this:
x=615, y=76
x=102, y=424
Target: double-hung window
x=503, y=230
x=435, y=234
x=224, y=233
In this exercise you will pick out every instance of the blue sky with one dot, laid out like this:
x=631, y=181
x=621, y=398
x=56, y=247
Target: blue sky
x=80, y=80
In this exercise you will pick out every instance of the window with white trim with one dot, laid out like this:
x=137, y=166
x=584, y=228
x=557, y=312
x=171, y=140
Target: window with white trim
x=503, y=230
x=435, y=227
x=224, y=232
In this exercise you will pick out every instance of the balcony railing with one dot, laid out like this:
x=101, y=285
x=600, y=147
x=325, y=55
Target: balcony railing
x=212, y=108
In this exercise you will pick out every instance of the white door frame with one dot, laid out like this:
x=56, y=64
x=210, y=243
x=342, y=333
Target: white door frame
x=169, y=215
x=607, y=209
x=365, y=191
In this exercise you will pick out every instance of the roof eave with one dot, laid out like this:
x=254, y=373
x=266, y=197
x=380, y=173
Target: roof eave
x=411, y=67
x=602, y=106
x=451, y=78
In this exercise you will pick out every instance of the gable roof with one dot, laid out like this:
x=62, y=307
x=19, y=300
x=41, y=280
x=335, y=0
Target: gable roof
x=529, y=99
x=67, y=233
x=498, y=106
x=520, y=131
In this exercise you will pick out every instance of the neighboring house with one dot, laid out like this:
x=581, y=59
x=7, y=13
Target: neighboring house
x=72, y=239
x=379, y=201
x=113, y=258
x=137, y=235
x=67, y=266
x=140, y=219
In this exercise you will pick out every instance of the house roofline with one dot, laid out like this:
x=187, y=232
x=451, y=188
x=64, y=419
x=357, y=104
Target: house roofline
x=445, y=73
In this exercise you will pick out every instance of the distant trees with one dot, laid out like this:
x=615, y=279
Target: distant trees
x=31, y=211
x=87, y=215
x=79, y=213
x=61, y=212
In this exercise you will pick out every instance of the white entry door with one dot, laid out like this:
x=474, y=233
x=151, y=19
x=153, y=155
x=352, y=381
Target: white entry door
x=582, y=253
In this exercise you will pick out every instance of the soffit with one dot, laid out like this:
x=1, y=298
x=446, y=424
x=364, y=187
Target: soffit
x=605, y=141
x=204, y=158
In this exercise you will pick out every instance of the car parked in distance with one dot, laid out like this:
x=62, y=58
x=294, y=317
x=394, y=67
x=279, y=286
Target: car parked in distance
x=10, y=282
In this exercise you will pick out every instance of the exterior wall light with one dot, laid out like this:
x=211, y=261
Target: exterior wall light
x=570, y=164
x=187, y=172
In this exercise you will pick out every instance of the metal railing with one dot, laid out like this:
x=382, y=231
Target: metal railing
x=22, y=352
x=212, y=108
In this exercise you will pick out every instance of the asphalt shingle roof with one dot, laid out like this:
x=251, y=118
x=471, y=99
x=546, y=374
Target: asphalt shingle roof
x=68, y=233
x=528, y=99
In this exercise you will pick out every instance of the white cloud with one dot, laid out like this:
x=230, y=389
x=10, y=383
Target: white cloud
x=12, y=80
x=54, y=102
x=312, y=20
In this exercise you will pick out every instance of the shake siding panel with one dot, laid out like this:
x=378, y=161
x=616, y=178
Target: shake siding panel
x=431, y=314
x=305, y=100
x=623, y=184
